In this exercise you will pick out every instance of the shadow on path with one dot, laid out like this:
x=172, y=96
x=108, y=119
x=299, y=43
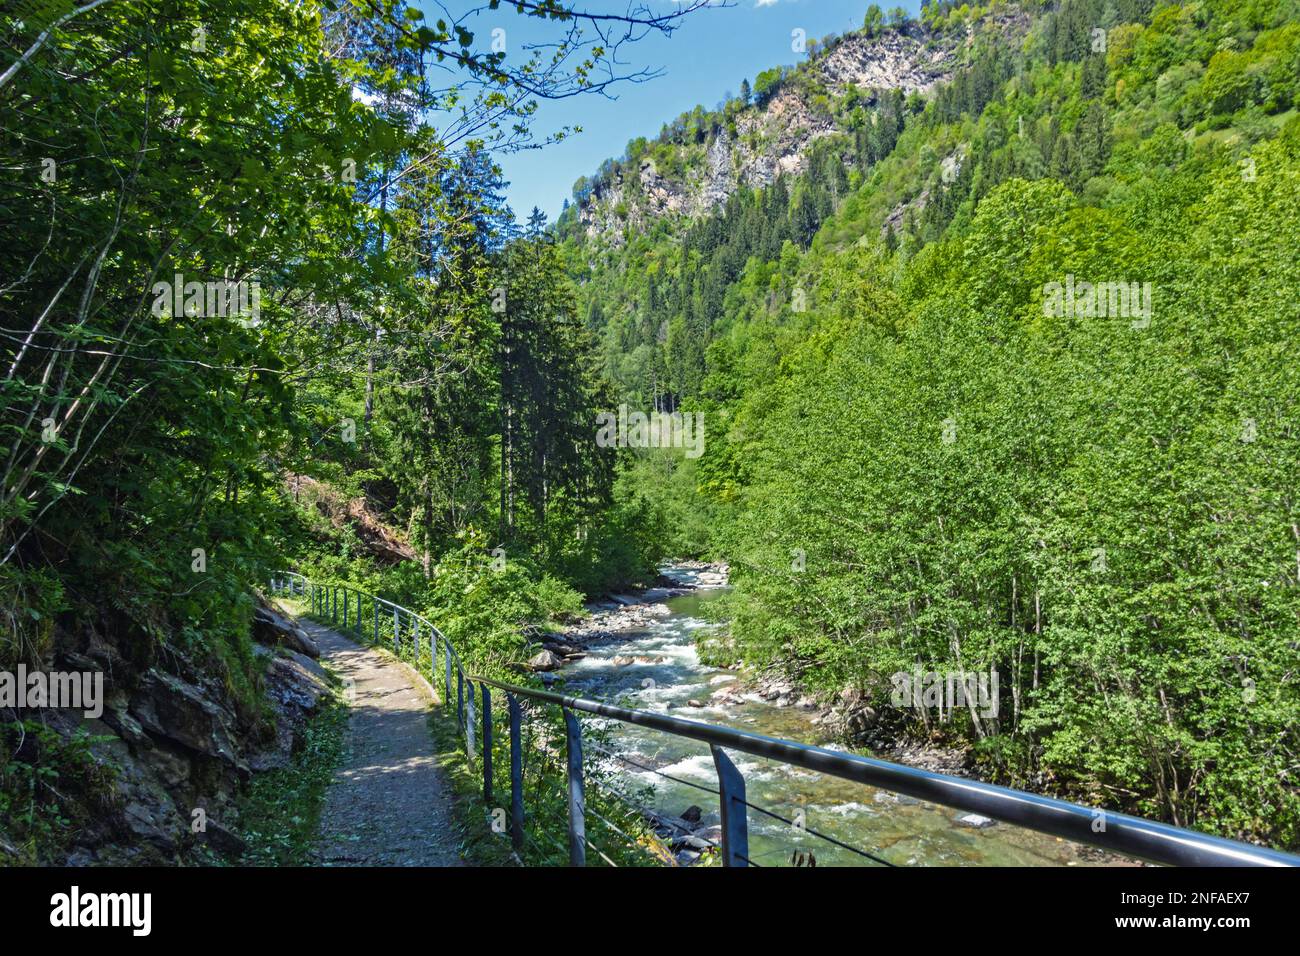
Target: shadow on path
x=388, y=804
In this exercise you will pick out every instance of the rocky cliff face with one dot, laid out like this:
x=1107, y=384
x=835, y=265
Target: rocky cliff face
x=771, y=140
x=174, y=744
x=775, y=139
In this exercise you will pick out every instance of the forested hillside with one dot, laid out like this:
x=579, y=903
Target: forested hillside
x=989, y=317
x=266, y=308
x=998, y=369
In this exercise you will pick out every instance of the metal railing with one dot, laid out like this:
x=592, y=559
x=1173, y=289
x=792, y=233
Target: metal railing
x=385, y=622
x=1128, y=835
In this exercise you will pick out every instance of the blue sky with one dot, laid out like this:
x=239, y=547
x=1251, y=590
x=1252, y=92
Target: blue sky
x=705, y=58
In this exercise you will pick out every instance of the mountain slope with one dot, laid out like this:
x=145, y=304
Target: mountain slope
x=1003, y=381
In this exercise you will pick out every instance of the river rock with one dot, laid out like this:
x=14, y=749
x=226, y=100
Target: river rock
x=691, y=842
x=712, y=832
x=564, y=650
x=861, y=719
x=692, y=814
x=545, y=661
x=776, y=690
x=851, y=696
x=975, y=821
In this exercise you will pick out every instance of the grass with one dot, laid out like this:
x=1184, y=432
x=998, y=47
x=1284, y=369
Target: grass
x=280, y=813
x=51, y=787
x=480, y=844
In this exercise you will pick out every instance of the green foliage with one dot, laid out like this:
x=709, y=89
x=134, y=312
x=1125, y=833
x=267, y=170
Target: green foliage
x=163, y=154
x=1098, y=509
x=30, y=599
x=51, y=788
x=279, y=814
x=1098, y=528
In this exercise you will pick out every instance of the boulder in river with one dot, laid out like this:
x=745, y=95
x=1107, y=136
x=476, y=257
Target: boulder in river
x=564, y=650
x=545, y=661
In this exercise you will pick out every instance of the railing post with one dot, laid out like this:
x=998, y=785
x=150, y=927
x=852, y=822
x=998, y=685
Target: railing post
x=334, y=604
x=446, y=654
x=460, y=696
x=487, y=745
x=345, y=608
x=397, y=637
x=735, y=822
x=469, y=719
x=577, y=801
x=375, y=602
x=516, y=776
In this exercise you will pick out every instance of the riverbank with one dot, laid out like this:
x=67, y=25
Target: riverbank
x=621, y=613
x=641, y=649
x=845, y=720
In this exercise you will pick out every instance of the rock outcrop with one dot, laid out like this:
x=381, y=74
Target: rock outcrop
x=275, y=630
x=775, y=138
x=175, y=744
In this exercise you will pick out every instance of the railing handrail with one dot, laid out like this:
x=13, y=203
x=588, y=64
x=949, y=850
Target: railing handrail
x=1118, y=832
x=1147, y=839
x=432, y=628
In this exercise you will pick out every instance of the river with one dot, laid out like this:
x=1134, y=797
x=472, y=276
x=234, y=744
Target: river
x=665, y=673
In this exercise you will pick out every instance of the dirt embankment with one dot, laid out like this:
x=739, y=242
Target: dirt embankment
x=385, y=543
